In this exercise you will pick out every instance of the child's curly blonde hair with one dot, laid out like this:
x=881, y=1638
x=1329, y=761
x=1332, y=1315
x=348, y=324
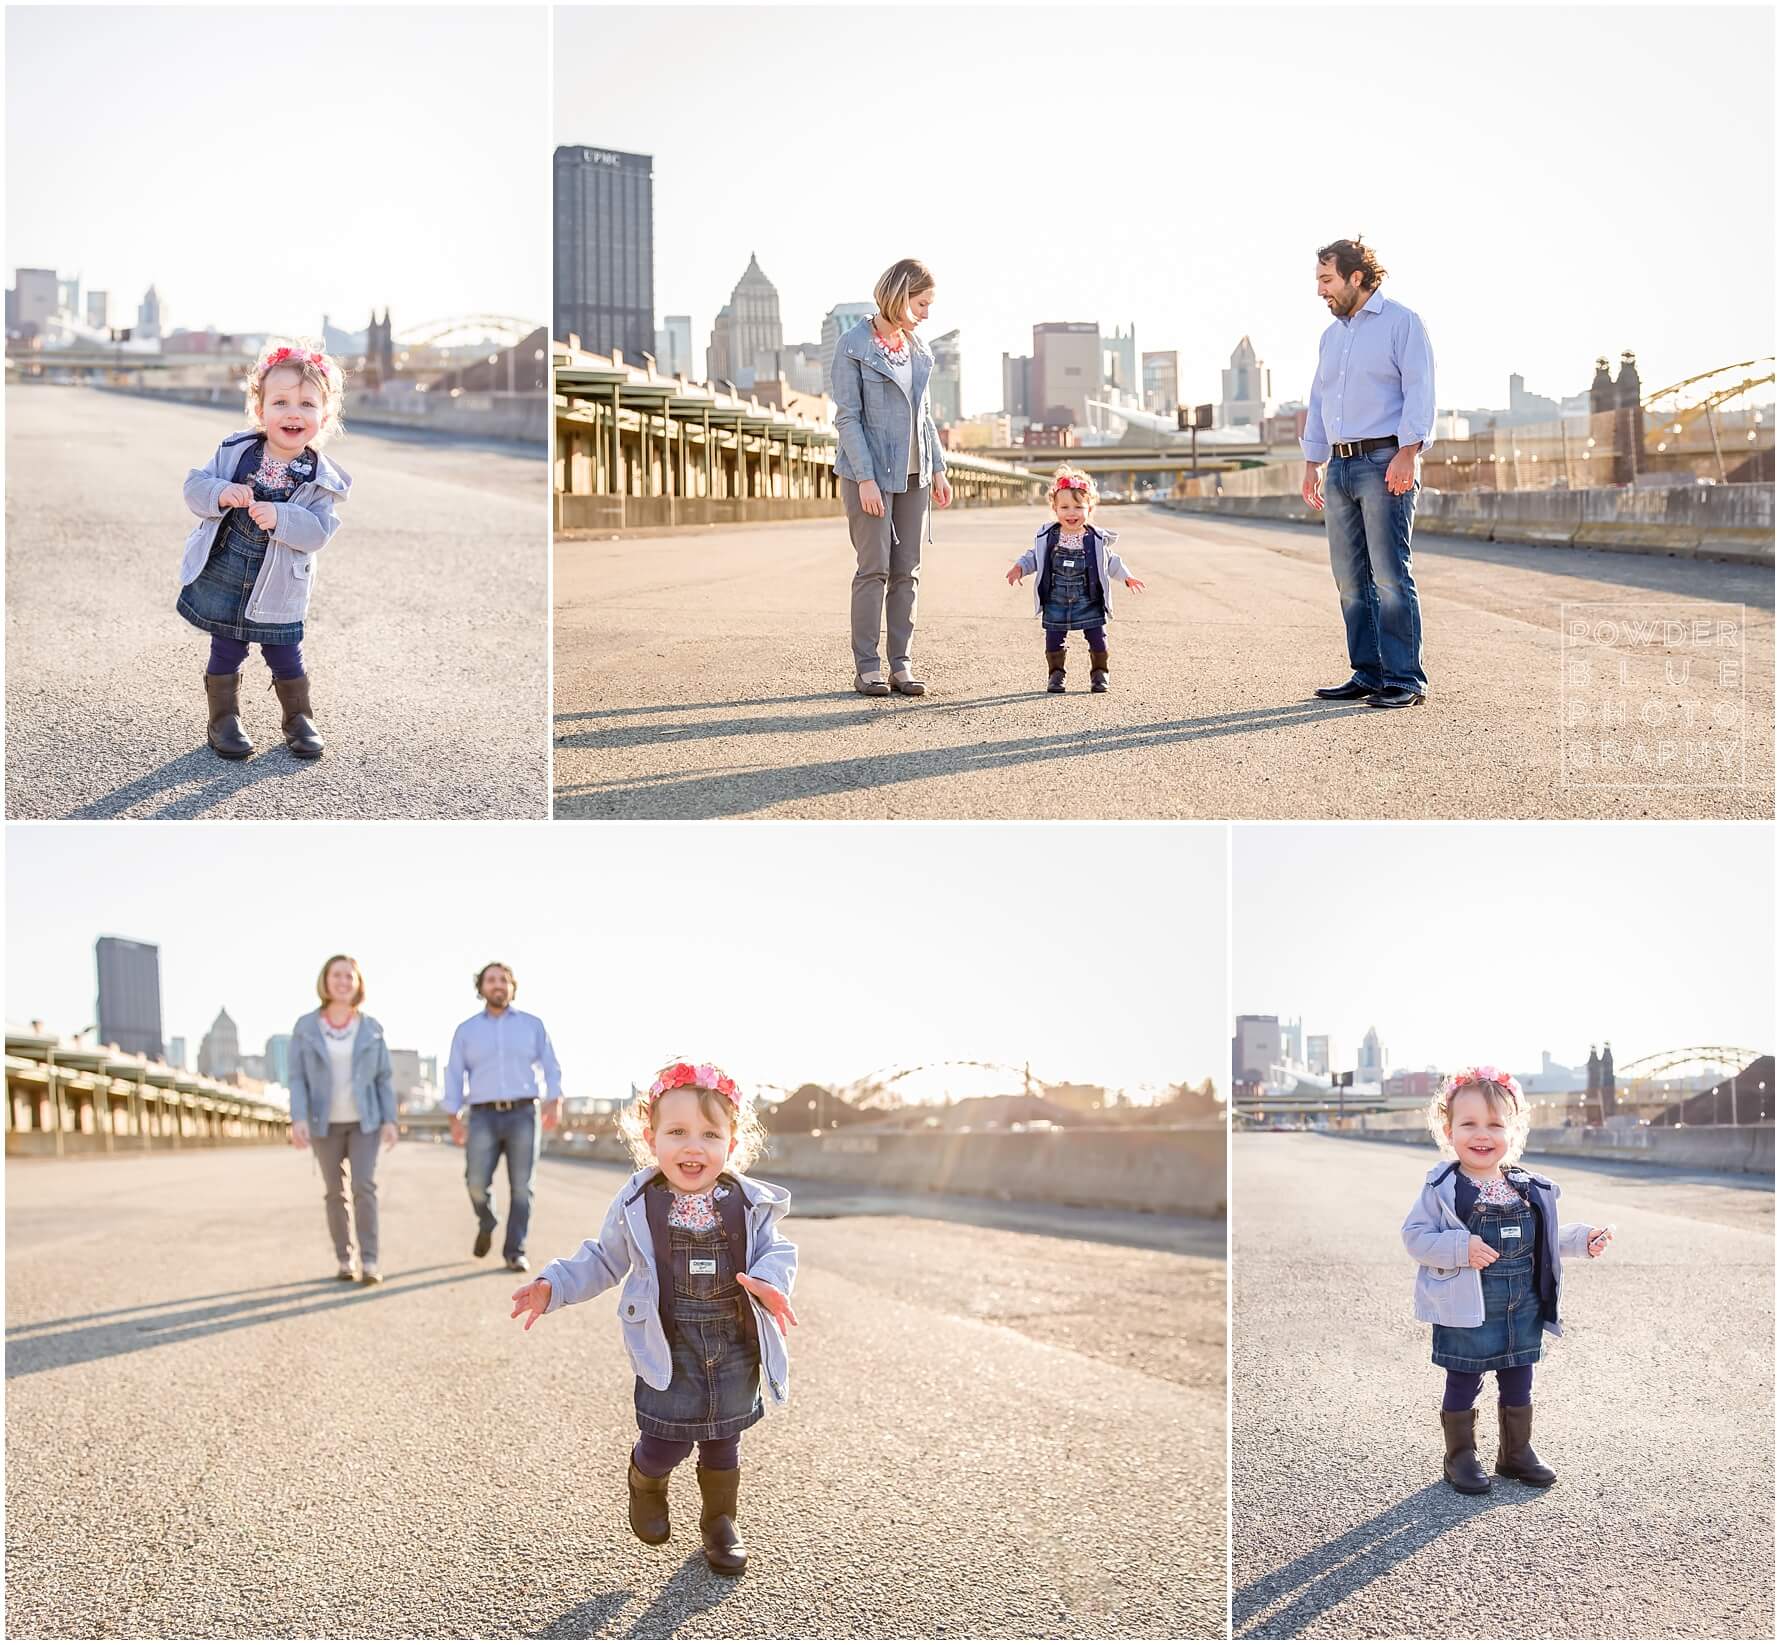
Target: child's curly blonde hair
x=1500, y=1090
x=1068, y=478
x=314, y=365
x=719, y=1100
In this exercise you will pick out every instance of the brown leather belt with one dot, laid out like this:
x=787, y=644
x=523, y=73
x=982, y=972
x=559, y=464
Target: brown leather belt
x=1358, y=448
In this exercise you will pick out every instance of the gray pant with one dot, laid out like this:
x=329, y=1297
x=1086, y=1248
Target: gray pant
x=887, y=582
x=346, y=1143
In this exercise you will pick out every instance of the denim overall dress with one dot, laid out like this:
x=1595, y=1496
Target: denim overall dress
x=1071, y=601
x=715, y=1344
x=1512, y=1332
x=216, y=599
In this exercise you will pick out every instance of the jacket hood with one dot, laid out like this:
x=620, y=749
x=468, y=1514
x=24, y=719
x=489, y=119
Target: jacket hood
x=1451, y=1165
x=755, y=1190
x=329, y=475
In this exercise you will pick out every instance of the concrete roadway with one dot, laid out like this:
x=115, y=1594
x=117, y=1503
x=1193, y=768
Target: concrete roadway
x=708, y=675
x=426, y=640
x=1656, y=1409
x=992, y=1433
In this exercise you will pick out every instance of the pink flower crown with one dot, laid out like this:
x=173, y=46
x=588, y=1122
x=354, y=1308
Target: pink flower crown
x=1483, y=1074
x=1069, y=483
x=707, y=1076
x=295, y=356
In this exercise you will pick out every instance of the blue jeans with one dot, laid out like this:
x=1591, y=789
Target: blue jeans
x=516, y=1134
x=1369, y=532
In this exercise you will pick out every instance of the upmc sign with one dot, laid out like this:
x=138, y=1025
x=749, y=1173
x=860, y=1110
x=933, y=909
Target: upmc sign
x=600, y=157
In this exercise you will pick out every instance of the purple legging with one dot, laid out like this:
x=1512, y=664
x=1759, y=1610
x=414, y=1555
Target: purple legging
x=1055, y=638
x=227, y=656
x=660, y=1457
x=1514, y=1386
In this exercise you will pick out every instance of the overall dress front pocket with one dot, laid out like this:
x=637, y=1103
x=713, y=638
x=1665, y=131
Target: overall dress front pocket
x=1512, y=1332
x=216, y=599
x=714, y=1344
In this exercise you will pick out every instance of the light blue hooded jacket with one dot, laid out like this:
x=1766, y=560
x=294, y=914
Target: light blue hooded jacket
x=625, y=1252
x=1448, y=1291
x=312, y=1077
x=871, y=414
x=282, y=590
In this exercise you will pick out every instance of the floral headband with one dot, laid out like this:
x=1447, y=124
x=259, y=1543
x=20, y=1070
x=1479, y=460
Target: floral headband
x=295, y=356
x=707, y=1076
x=1483, y=1074
x=1069, y=483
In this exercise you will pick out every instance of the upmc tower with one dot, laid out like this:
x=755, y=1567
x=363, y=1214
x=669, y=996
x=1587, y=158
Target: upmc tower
x=604, y=290
x=130, y=995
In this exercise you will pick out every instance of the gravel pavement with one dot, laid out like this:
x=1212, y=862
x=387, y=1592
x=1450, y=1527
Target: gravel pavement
x=989, y=1433
x=426, y=640
x=708, y=675
x=1656, y=1409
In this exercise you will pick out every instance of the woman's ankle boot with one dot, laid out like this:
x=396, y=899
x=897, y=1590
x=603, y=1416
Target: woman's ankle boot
x=648, y=1506
x=1056, y=660
x=300, y=735
x=724, y=1551
x=1463, y=1471
x=225, y=734
x=1097, y=671
x=1515, y=1456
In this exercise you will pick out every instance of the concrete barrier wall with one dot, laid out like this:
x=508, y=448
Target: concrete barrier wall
x=1727, y=522
x=521, y=419
x=1177, y=1171
x=1746, y=1148
x=599, y=513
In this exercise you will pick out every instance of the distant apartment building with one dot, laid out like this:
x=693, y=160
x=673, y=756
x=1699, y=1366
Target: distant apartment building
x=1316, y=1054
x=277, y=1059
x=1247, y=387
x=1369, y=1067
x=1016, y=388
x=1120, y=369
x=219, y=1052
x=176, y=1051
x=673, y=347
x=947, y=382
x=99, y=310
x=129, y=1003
x=746, y=326
x=1066, y=372
x=1254, y=1049
x=1161, y=382
x=35, y=292
x=836, y=323
x=151, y=316
x=603, y=206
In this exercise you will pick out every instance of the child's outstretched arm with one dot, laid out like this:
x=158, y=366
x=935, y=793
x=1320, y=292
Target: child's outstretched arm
x=772, y=1274
x=1025, y=566
x=1579, y=1239
x=598, y=1266
x=1122, y=573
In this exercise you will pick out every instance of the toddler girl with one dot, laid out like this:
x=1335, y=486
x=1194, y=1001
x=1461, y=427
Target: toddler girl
x=707, y=1284
x=265, y=504
x=1076, y=572
x=1486, y=1235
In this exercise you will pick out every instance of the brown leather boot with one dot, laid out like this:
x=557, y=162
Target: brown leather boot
x=1056, y=660
x=1515, y=1456
x=724, y=1551
x=300, y=735
x=648, y=1506
x=226, y=735
x=1097, y=670
x=1463, y=1471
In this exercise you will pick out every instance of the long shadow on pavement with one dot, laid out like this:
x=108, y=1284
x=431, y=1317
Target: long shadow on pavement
x=1326, y=1575
x=107, y=1341
x=733, y=794
x=692, y=1589
x=654, y=734
x=317, y=1284
x=221, y=780
x=697, y=708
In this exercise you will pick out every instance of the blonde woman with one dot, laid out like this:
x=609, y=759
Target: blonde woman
x=343, y=1106
x=888, y=461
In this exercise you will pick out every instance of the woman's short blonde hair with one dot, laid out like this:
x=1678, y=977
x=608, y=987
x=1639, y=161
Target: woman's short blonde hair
x=313, y=364
x=1078, y=479
x=1504, y=1097
x=321, y=979
x=740, y=1115
x=906, y=278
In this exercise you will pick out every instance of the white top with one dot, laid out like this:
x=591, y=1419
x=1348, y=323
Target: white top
x=342, y=1105
x=904, y=373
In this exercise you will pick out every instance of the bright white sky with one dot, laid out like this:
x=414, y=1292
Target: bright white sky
x=1544, y=184
x=786, y=952
x=389, y=156
x=1492, y=942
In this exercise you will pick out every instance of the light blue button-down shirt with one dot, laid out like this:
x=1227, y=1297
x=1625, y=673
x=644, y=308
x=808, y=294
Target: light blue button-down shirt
x=1374, y=376
x=495, y=1059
